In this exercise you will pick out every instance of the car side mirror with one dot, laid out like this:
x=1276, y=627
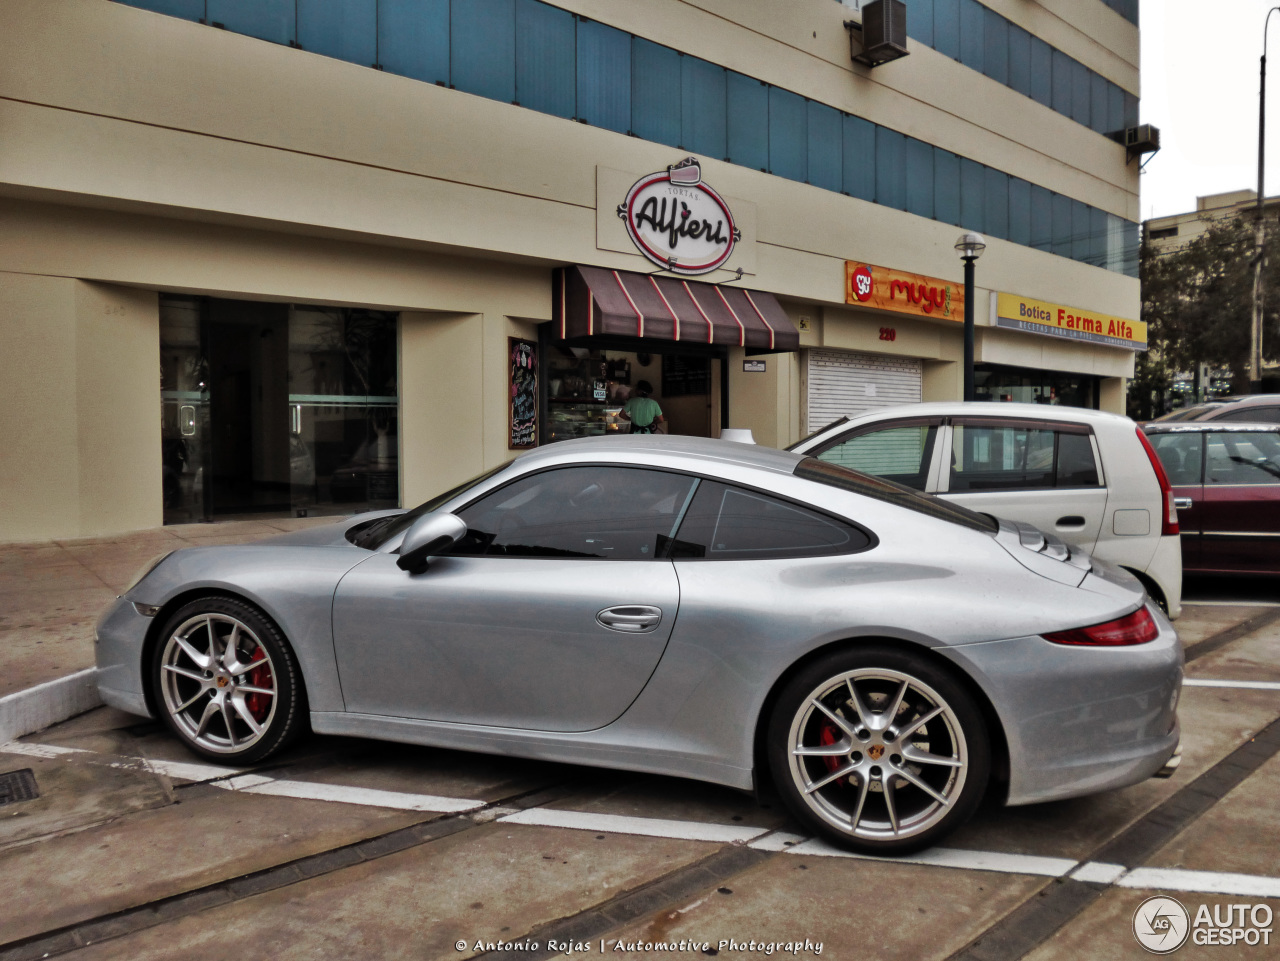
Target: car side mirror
x=430, y=534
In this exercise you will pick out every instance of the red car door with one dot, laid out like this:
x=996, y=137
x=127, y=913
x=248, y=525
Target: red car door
x=1240, y=512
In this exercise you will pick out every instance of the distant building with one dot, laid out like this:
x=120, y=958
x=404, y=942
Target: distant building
x=1175, y=231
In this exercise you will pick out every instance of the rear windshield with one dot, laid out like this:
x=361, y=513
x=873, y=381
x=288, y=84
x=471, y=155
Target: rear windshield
x=833, y=475
x=373, y=534
x=1186, y=413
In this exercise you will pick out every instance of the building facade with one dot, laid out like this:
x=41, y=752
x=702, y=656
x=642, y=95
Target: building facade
x=322, y=255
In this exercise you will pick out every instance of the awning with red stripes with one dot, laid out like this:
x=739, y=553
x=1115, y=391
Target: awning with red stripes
x=594, y=301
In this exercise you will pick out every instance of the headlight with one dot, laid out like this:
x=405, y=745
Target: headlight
x=144, y=570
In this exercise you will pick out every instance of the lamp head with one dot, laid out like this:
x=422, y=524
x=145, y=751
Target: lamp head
x=971, y=245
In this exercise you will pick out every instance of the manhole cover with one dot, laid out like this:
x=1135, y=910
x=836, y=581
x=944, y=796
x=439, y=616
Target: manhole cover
x=18, y=786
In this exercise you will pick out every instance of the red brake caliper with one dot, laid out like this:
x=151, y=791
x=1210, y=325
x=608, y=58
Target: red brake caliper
x=259, y=704
x=827, y=736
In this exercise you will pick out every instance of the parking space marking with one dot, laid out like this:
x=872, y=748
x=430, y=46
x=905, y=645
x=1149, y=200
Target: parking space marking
x=1201, y=882
x=1241, y=685
x=951, y=858
x=46, y=751
x=183, y=770
x=646, y=827
x=1095, y=872
x=1231, y=603
x=342, y=794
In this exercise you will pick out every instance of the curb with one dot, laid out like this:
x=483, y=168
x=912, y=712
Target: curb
x=46, y=704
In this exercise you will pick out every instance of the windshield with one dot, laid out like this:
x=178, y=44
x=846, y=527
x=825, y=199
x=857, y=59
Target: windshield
x=833, y=475
x=377, y=532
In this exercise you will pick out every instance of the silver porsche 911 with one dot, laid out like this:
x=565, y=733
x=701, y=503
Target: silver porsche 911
x=688, y=607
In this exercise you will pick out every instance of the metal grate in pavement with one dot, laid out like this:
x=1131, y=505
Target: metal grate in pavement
x=18, y=786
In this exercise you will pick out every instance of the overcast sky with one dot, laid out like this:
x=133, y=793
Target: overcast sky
x=1200, y=87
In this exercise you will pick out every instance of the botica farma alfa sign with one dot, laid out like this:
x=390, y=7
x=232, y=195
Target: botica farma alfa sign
x=679, y=222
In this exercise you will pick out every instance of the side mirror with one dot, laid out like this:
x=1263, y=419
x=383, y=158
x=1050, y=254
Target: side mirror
x=430, y=534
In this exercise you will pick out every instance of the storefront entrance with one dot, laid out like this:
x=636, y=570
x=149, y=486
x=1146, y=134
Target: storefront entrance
x=1026, y=386
x=274, y=408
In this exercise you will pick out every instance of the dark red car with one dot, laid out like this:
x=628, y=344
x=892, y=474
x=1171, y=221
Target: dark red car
x=1226, y=483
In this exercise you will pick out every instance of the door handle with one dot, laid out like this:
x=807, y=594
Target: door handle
x=1183, y=503
x=630, y=619
x=1071, y=520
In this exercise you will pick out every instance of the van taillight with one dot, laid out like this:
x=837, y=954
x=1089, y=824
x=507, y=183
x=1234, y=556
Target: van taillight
x=1136, y=628
x=1169, y=515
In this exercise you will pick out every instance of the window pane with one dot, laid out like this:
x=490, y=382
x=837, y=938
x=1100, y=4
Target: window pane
x=1061, y=225
x=655, y=92
x=1019, y=211
x=996, y=50
x=613, y=513
x=920, y=21
x=1130, y=248
x=946, y=27
x=996, y=213
x=973, y=183
x=413, y=38
x=1243, y=458
x=891, y=168
x=919, y=177
x=859, y=158
x=186, y=9
x=748, y=124
x=899, y=454
x=826, y=150
x=482, y=48
x=1079, y=230
x=1182, y=456
x=1098, y=102
x=346, y=29
x=972, y=34
x=1130, y=110
x=1041, y=72
x=788, y=137
x=544, y=58
x=1001, y=458
x=1076, y=466
x=273, y=20
x=604, y=76
x=703, y=108
x=1115, y=108
x=946, y=187
x=1063, y=73
x=1081, y=92
x=724, y=523
x=1041, y=218
x=1097, y=250
x=1019, y=60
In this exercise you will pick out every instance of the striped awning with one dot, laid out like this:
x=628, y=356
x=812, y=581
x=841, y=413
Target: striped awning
x=595, y=301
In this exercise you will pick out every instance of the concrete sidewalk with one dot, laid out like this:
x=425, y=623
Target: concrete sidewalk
x=51, y=593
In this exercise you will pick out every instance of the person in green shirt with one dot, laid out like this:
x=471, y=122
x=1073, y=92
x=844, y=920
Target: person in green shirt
x=642, y=410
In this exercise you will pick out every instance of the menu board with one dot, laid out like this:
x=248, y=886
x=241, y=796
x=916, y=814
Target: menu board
x=523, y=382
x=682, y=376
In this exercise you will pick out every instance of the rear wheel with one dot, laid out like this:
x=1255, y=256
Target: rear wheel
x=226, y=681
x=879, y=750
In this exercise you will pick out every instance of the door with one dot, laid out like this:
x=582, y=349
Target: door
x=1182, y=456
x=842, y=383
x=1240, y=513
x=1044, y=473
x=551, y=614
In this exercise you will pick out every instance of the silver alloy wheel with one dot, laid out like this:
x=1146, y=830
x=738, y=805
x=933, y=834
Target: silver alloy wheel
x=877, y=754
x=218, y=683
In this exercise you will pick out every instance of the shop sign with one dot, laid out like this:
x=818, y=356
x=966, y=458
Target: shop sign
x=1038, y=317
x=753, y=367
x=679, y=222
x=522, y=379
x=869, y=286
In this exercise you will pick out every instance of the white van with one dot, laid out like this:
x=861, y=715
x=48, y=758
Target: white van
x=1087, y=476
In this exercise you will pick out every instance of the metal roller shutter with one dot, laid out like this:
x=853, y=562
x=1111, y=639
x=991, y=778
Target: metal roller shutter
x=844, y=383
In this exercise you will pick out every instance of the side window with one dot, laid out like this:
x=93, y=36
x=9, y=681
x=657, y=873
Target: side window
x=614, y=513
x=896, y=453
x=1074, y=465
x=1182, y=456
x=1243, y=458
x=1020, y=457
x=726, y=523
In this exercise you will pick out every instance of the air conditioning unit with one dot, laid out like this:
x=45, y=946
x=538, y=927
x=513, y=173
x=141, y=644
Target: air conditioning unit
x=884, y=32
x=1141, y=140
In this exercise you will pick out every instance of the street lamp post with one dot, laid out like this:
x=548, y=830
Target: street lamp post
x=1255, y=334
x=970, y=246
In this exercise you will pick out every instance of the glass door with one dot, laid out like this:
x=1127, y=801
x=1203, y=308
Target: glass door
x=184, y=411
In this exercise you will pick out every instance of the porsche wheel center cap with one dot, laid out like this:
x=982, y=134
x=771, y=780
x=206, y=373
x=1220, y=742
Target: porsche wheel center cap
x=876, y=751
x=222, y=680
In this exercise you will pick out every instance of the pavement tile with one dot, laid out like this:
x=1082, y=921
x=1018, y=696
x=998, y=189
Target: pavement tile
x=492, y=882
x=1199, y=621
x=651, y=796
x=1252, y=658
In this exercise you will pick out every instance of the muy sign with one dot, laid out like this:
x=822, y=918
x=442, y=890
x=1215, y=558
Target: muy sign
x=679, y=222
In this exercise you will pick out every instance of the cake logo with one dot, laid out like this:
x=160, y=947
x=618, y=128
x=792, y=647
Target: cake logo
x=678, y=222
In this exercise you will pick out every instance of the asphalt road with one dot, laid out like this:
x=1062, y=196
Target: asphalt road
x=349, y=849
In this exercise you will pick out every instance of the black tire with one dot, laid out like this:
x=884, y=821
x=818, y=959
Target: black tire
x=842, y=772
x=243, y=703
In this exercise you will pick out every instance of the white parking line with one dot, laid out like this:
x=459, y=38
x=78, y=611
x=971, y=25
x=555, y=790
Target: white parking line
x=39, y=750
x=1202, y=882
x=1096, y=872
x=952, y=858
x=183, y=770
x=1231, y=603
x=1239, y=685
x=369, y=797
x=646, y=827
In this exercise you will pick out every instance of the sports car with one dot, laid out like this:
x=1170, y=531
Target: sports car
x=691, y=607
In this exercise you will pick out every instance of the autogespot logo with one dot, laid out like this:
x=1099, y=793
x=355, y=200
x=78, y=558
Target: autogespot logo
x=1161, y=924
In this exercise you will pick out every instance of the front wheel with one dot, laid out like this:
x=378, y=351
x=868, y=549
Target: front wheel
x=879, y=750
x=226, y=681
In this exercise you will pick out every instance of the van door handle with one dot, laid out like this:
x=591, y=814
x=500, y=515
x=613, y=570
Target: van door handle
x=630, y=619
x=1071, y=520
x=1183, y=503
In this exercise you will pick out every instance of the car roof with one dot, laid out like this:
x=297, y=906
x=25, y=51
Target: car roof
x=986, y=408
x=698, y=448
x=1203, y=426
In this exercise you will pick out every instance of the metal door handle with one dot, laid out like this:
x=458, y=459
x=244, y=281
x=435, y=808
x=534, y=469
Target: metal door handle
x=1183, y=503
x=1071, y=520
x=631, y=619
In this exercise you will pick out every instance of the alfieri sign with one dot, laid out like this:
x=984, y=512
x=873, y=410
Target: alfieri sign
x=679, y=222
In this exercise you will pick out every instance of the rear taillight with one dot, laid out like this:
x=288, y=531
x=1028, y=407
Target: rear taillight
x=1169, y=521
x=1136, y=628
